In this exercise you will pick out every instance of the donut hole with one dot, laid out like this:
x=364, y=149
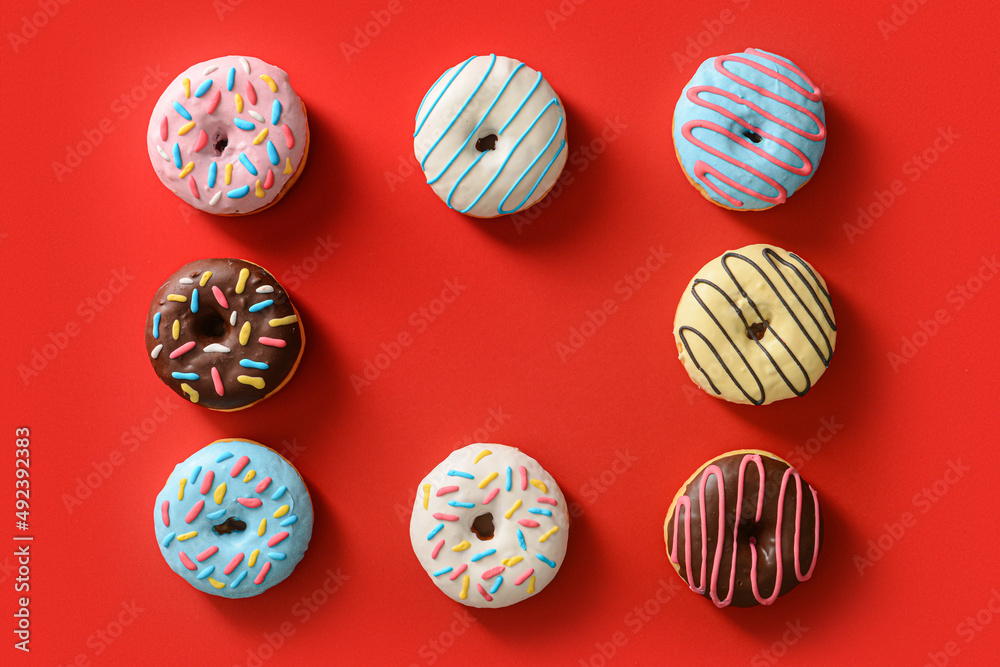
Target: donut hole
x=749, y=530
x=211, y=325
x=487, y=143
x=757, y=330
x=482, y=527
x=219, y=142
x=230, y=525
x=753, y=136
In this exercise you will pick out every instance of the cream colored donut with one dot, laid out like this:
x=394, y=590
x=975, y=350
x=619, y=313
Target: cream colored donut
x=756, y=325
x=491, y=136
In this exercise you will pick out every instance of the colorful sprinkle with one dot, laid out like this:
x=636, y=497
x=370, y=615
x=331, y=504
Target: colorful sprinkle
x=272, y=153
x=277, y=539
x=260, y=137
x=213, y=104
x=459, y=473
x=209, y=70
x=228, y=176
x=241, y=282
x=232, y=318
x=247, y=363
x=265, y=289
x=201, y=142
x=511, y=562
x=175, y=330
x=191, y=392
x=238, y=101
x=481, y=455
x=262, y=485
x=187, y=127
x=269, y=180
x=238, y=467
x=239, y=579
x=217, y=514
x=220, y=493
x=443, y=570
x=531, y=586
x=262, y=528
x=496, y=585
x=289, y=521
x=213, y=173
x=180, y=490
x=245, y=161
x=159, y=149
x=276, y=555
x=545, y=560
x=272, y=342
x=440, y=516
x=203, y=88
x=548, y=533
x=461, y=546
x=194, y=474
x=180, y=298
x=535, y=510
x=194, y=296
x=275, y=112
x=288, y=166
x=257, y=383
x=263, y=573
x=259, y=191
x=253, y=558
x=490, y=496
x=279, y=492
x=187, y=87
x=177, y=156
x=182, y=111
x=223, y=456
x=524, y=478
x=251, y=93
x=289, y=138
x=427, y=492
x=437, y=549
x=529, y=523
x=165, y=513
x=548, y=501
x=270, y=82
x=257, y=307
x=483, y=554
x=187, y=536
x=184, y=376
x=219, y=296
x=540, y=485
x=492, y=572
x=239, y=193
x=434, y=531
x=250, y=475
x=251, y=503
x=194, y=189
x=163, y=128
x=283, y=321
x=458, y=503
x=482, y=591
x=206, y=483
x=521, y=579
x=168, y=539
x=215, y=583
x=207, y=553
x=230, y=78
x=245, y=333
x=281, y=511
x=486, y=480
x=188, y=563
x=195, y=511
x=243, y=124
x=156, y=325
x=461, y=568
x=256, y=116
x=445, y=490
x=510, y=512
x=245, y=64
x=465, y=588
x=237, y=559
x=520, y=540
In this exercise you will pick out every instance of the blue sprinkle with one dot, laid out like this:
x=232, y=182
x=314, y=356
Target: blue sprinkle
x=213, y=172
x=231, y=78
x=206, y=572
x=248, y=164
x=156, y=325
x=239, y=579
x=247, y=363
x=275, y=112
x=272, y=153
x=185, y=376
x=169, y=538
x=520, y=540
x=484, y=554
x=243, y=124
x=546, y=560
x=458, y=503
x=496, y=585
x=535, y=510
x=203, y=88
x=223, y=456
x=177, y=156
x=508, y=478
x=459, y=473
x=194, y=300
x=289, y=521
x=437, y=529
x=276, y=555
x=280, y=492
x=216, y=514
x=182, y=111
x=194, y=475
x=443, y=570
x=239, y=193
x=257, y=307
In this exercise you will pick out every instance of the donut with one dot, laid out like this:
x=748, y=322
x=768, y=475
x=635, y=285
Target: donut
x=234, y=519
x=229, y=136
x=489, y=525
x=749, y=130
x=491, y=136
x=755, y=326
x=744, y=529
x=223, y=333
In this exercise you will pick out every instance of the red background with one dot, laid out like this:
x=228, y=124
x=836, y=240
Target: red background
x=897, y=429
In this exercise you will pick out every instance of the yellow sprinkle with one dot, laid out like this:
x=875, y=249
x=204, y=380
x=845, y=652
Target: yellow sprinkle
x=262, y=528
x=270, y=82
x=481, y=454
x=260, y=137
x=508, y=513
x=259, y=191
x=250, y=475
x=187, y=536
x=177, y=297
x=204, y=278
x=511, y=562
x=540, y=485
x=242, y=282
x=216, y=584
x=187, y=87
x=288, y=166
x=193, y=393
x=465, y=588
x=252, y=381
x=185, y=128
x=281, y=511
x=229, y=174
x=282, y=321
x=188, y=168
x=239, y=103
x=253, y=558
x=245, y=333
x=548, y=533
x=486, y=480
x=427, y=493
x=176, y=329
x=220, y=493
x=461, y=546
x=531, y=585
x=180, y=491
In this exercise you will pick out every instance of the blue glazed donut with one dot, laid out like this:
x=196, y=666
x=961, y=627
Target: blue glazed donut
x=234, y=519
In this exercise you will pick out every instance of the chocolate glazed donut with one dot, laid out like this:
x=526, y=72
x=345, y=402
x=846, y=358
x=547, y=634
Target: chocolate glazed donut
x=223, y=334
x=737, y=541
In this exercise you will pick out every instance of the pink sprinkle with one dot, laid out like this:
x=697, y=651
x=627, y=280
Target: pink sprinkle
x=186, y=347
x=195, y=511
x=214, y=102
x=273, y=342
x=251, y=93
x=549, y=501
x=217, y=379
x=517, y=582
x=491, y=495
x=489, y=598
x=240, y=465
x=489, y=574
x=206, y=482
x=207, y=553
x=255, y=502
x=445, y=517
x=457, y=573
x=163, y=129
x=165, y=512
x=437, y=549
x=277, y=538
x=202, y=141
x=267, y=566
x=187, y=561
x=524, y=478
x=194, y=188
x=269, y=179
x=447, y=489
x=220, y=297
x=237, y=559
x=528, y=523
x=289, y=139
x=264, y=483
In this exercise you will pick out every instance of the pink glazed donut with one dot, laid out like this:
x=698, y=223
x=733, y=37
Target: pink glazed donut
x=229, y=136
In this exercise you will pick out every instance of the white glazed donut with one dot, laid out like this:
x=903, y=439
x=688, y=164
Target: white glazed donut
x=489, y=525
x=491, y=136
x=755, y=326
